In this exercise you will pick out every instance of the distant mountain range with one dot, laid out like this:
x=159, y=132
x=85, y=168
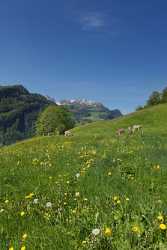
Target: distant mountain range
x=19, y=110
x=87, y=111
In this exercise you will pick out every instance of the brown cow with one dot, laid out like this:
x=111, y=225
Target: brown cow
x=120, y=131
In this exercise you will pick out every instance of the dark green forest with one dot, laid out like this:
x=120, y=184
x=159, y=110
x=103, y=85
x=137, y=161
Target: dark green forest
x=19, y=110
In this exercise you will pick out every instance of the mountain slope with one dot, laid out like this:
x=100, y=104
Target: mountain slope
x=87, y=111
x=89, y=191
x=18, y=112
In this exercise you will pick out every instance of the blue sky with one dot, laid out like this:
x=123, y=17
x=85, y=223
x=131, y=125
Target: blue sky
x=113, y=51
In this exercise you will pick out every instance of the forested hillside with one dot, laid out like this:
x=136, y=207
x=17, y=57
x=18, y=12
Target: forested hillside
x=18, y=113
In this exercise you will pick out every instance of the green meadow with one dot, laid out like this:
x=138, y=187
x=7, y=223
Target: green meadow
x=89, y=191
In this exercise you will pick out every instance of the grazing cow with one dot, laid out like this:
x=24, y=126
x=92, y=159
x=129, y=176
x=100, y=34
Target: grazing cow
x=68, y=133
x=120, y=131
x=137, y=128
x=130, y=130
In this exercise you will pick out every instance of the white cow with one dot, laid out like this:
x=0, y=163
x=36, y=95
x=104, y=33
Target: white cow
x=137, y=128
x=68, y=133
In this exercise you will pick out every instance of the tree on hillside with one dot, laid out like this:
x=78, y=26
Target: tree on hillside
x=154, y=99
x=54, y=120
x=139, y=108
x=164, y=96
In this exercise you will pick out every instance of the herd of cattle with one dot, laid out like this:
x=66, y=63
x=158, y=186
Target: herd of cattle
x=131, y=130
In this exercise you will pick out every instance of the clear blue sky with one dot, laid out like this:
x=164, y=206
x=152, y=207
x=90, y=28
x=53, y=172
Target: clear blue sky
x=114, y=51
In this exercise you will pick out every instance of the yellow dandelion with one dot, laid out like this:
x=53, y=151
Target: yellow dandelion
x=22, y=213
x=11, y=248
x=136, y=229
x=23, y=248
x=162, y=226
x=29, y=196
x=115, y=198
x=108, y=232
x=24, y=237
x=157, y=167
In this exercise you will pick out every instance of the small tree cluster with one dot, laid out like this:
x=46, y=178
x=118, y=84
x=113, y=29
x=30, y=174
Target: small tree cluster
x=54, y=120
x=155, y=99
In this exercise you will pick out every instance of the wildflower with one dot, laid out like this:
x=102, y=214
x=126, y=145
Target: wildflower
x=24, y=237
x=77, y=175
x=115, y=198
x=74, y=211
x=162, y=226
x=29, y=196
x=22, y=213
x=108, y=232
x=127, y=199
x=77, y=194
x=84, y=242
x=23, y=248
x=35, y=201
x=136, y=229
x=48, y=205
x=2, y=210
x=109, y=173
x=160, y=217
x=11, y=248
x=6, y=201
x=96, y=231
x=68, y=182
x=157, y=167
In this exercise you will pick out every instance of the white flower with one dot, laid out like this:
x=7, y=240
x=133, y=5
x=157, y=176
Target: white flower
x=48, y=204
x=78, y=175
x=35, y=201
x=77, y=194
x=96, y=231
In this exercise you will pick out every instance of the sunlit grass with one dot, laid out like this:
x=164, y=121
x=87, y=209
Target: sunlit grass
x=89, y=191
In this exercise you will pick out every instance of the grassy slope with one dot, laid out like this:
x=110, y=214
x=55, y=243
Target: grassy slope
x=119, y=187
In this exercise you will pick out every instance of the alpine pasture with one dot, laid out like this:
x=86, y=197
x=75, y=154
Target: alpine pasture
x=92, y=190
